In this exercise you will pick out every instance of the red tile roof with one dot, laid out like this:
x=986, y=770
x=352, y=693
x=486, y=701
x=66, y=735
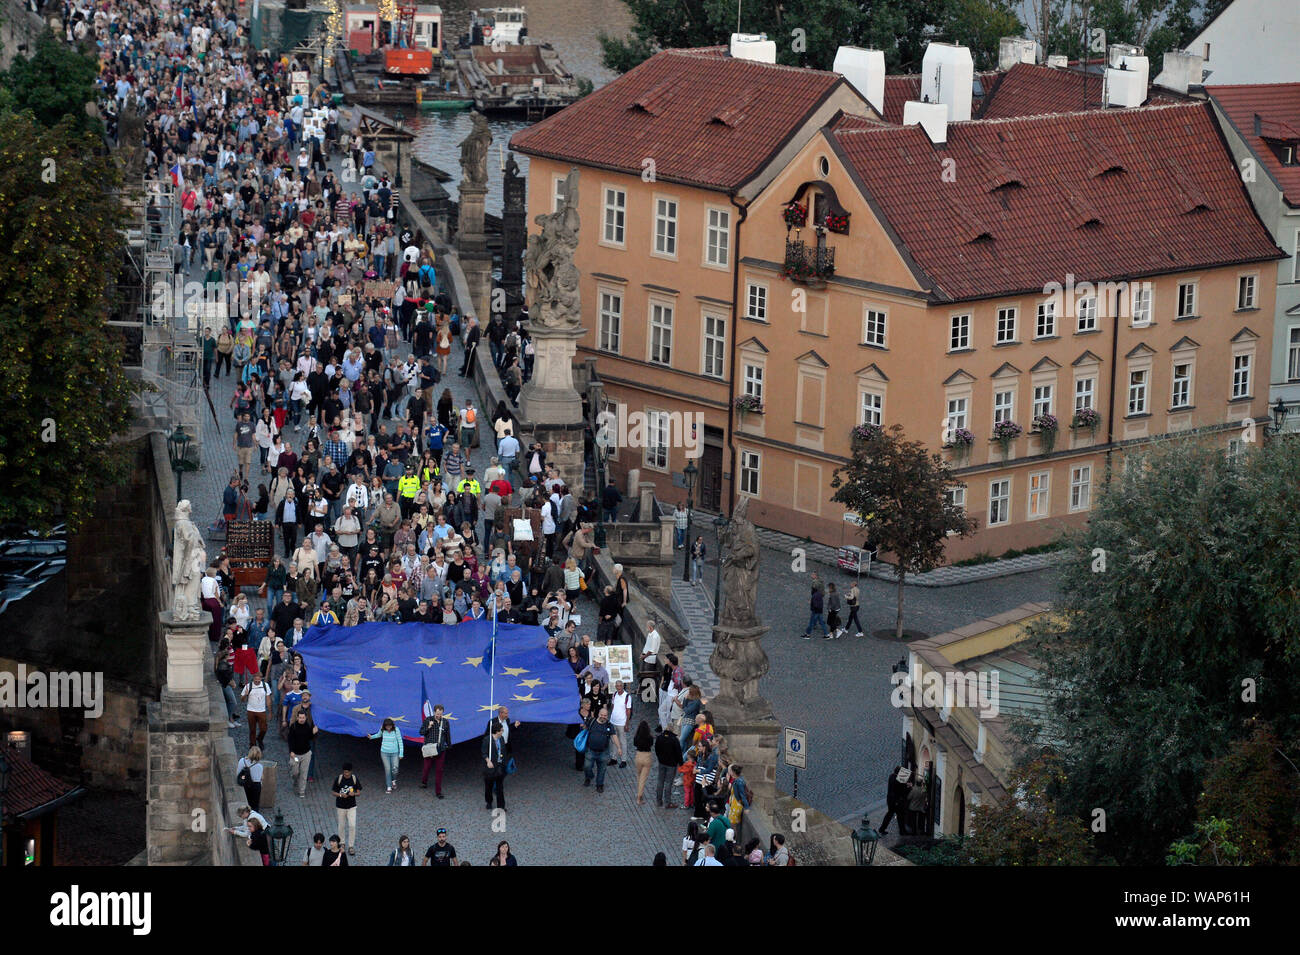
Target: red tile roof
x=1278, y=107
x=1037, y=198
x=907, y=86
x=30, y=787
x=1028, y=89
x=706, y=119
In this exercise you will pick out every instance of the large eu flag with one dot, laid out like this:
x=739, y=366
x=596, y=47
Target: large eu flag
x=360, y=675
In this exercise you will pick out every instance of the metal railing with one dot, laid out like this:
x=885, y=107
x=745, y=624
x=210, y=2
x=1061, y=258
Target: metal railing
x=804, y=261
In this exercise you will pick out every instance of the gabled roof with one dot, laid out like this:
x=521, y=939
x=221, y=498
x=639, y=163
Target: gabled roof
x=1089, y=357
x=907, y=86
x=1006, y=368
x=1140, y=349
x=1029, y=89
x=961, y=374
x=872, y=369
x=1278, y=107
x=966, y=243
x=1044, y=364
x=753, y=340
x=1246, y=334
x=32, y=791
x=1184, y=343
x=706, y=119
x=813, y=358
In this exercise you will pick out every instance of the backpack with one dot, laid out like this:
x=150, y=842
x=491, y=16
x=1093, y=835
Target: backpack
x=471, y=416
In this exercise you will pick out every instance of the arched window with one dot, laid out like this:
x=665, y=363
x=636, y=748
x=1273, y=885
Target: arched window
x=815, y=204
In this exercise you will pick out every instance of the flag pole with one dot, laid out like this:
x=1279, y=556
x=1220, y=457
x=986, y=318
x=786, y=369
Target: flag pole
x=492, y=691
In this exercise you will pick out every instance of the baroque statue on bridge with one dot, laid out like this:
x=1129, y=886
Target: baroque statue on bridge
x=548, y=261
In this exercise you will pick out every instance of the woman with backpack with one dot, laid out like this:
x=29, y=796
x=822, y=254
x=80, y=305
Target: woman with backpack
x=248, y=773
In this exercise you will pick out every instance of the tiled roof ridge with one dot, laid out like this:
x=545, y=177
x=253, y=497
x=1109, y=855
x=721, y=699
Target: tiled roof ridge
x=1034, y=117
x=703, y=53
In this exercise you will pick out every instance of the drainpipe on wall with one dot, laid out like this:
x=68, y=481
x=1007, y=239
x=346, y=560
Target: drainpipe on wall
x=1114, y=367
x=735, y=338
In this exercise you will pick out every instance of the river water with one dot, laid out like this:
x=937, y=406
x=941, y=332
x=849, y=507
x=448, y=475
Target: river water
x=573, y=27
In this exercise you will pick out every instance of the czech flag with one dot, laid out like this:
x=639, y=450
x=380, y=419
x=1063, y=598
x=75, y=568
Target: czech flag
x=178, y=176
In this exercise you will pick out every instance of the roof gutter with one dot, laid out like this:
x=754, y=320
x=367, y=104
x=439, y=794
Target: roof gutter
x=743, y=209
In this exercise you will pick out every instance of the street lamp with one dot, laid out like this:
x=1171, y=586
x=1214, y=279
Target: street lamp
x=178, y=449
x=689, y=473
x=397, y=179
x=865, y=839
x=281, y=835
x=1280, y=411
x=719, y=523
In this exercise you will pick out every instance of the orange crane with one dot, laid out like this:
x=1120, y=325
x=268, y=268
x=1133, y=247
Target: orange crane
x=404, y=58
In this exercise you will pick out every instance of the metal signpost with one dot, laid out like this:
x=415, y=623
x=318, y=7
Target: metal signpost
x=796, y=753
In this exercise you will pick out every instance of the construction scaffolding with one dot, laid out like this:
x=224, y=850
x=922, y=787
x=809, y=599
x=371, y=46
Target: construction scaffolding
x=161, y=317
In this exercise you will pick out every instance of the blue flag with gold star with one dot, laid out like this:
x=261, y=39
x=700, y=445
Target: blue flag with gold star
x=361, y=675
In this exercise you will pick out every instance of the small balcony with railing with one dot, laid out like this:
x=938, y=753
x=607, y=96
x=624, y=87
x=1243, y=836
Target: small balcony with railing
x=809, y=264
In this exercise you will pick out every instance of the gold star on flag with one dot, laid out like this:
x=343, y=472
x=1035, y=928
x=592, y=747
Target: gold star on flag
x=448, y=716
x=398, y=719
x=355, y=677
x=363, y=709
x=385, y=666
x=428, y=661
x=514, y=671
x=348, y=694
x=526, y=699
x=472, y=661
x=490, y=707
x=531, y=683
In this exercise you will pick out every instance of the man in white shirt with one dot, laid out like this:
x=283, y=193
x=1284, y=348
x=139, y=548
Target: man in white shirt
x=256, y=697
x=650, y=649
x=358, y=496
x=210, y=598
x=620, y=711
x=321, y=542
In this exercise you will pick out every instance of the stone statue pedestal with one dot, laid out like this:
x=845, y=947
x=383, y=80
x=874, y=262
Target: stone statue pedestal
x=743, y=716
x=550, y=397
x=472, y=250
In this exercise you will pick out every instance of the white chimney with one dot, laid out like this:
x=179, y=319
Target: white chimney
x=1116, y=52
x=1126, y=85
x=865, y=71
x=931, y=117
x=948, y=77
x=1058, y=61
x=753, y=46
x=1016, y=49
x=1179, y=70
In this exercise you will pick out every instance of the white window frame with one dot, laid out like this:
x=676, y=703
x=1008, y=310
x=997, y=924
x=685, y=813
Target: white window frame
x=753, y=374
x=956, y=497
x=660, y=337
x=1293, y=353
x=1247, y=291
x=1242, y=367
x=1045, y=320
x=1186, y=304
x=958, y=412
x=611, y=338
x=665, y=234
x=1139, y=391
x=1004, y=410
x=1090, y=391
x=751, y=473
x=1142, y=304
x=875, y=326
x=871, y=406
x=1000, y=496
x=1005, y=327
x=718, y=340
x=1087, y=314
x=608, y=404
x=1081, y=488
x=557, y=191
x=756, y=301
x=717, y=237
x=1040, y=496
x=658, y=426
x=1043, y=396
x=1180, y=383
x=959, y=324
x=614, y=217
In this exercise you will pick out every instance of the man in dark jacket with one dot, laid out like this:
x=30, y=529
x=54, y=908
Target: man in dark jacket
x=896, y=802
x=599, y=732
x=815, y=606
x=611, y=605
x=494, y=766
x=610, y=499
x=668, y=750
x=472, y=338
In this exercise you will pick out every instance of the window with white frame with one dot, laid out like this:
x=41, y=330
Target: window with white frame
x=661, y=333
x=615, y=215
x=715, y=344
x=1045, y=324
x=611, y=321
x=999, y=501
x=1006, y=325
x=1181, y=395
x=750, y=469
x=1042, y=400
x=957, y=414
x=1083, y=393
x=753, y=381
x=1186, y=299
x=609, y=423
x=1234, y=450
x=1245, y=291
x=1039, y=485
x=956, y=497
x=1004, y=406
x=1293, y=354
x=666, y=226
x=1081, y=487
x=1240, y=376
x=1142, y=293
x=959, y=337
x=557, y=193
x=873, y=327
x=1137, y=391
x=717, y=237
x=1087, y=314
x=756, y=302
x=656, y=441
x=1295, y=264
x=873, y=408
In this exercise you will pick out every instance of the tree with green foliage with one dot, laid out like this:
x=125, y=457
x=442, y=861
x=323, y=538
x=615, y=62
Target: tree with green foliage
x=900, y=492
x=1249, y=813
x=54, y=84
x=66, y=394
x=1028, y=828
x=809, y=32
x=1076, y=28
x=1177, y=622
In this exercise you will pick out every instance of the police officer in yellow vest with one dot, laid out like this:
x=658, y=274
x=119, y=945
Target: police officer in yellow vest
x=469, y=484
x=408, y=485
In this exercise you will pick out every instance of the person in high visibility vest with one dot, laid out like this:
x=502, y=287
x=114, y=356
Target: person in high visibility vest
x=408, y=485
x=470, y=484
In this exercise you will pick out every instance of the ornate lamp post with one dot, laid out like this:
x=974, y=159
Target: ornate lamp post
x=178, y=449
x=865, y=839
x=281, y=835
x=719, y=524
x=397, y=179
x=689, y=473
x=1280, y=412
